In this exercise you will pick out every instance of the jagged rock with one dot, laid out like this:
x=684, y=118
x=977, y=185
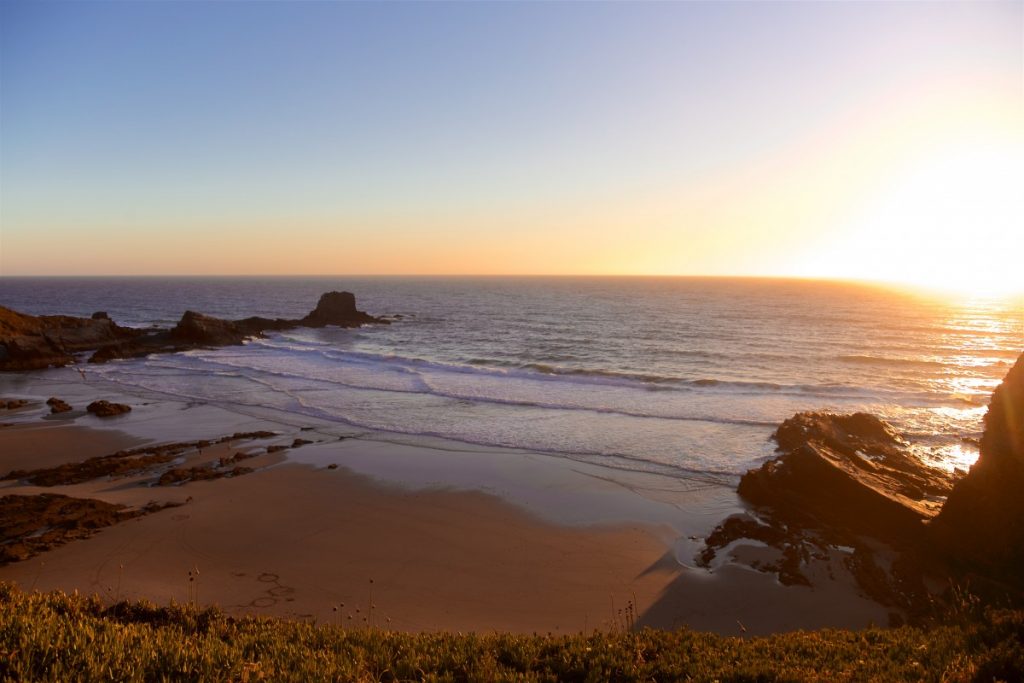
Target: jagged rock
x=33, y=351
x=107, y=409
x=57, y=405
x=13, y=403
x=841, y=484
x=29, y=342
x=981, y=527
x=847, y=471
x=204, y=330
x=202, y=473
x=791, y=546
x=33, y=524
x=851, y=481
x=129, y=462
x=33, y=342
x=198, y=330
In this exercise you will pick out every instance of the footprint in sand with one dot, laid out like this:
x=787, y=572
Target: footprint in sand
x=276, y=591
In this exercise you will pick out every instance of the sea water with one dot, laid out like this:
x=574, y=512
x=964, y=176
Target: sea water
x=686, y=377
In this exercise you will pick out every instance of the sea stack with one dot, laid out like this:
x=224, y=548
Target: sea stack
x=338, y=308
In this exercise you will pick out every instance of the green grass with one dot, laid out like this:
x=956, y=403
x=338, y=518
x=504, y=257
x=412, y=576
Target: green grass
x=61, y=637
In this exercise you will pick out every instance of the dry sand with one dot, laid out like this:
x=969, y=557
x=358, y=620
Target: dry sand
x=298, y=539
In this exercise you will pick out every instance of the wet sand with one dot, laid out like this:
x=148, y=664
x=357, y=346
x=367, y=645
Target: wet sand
x=432, y=535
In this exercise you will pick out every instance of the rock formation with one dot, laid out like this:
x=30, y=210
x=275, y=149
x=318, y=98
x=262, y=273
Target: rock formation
x=981, y=526
x=33, y=524
x=57, y=405
x=847, y=471
x=29, y=342
x=204, y=330
x=33, y=342
x=107, y=409
x=337, y=308
x=851, y=480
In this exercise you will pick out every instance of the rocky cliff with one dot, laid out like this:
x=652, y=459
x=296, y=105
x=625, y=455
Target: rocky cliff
x=851, y=481
x=981, y=526
x=29, y=342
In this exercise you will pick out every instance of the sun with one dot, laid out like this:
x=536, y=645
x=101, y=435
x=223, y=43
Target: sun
x=952, y=222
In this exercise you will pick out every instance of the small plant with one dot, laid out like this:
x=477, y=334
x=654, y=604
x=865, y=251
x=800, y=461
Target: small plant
x=371, y=605
x=192, y=596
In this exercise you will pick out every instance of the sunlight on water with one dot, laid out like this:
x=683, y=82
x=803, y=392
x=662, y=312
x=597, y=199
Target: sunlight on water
x=955, y=457
x=671, y=375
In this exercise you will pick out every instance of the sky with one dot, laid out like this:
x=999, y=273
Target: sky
x=871, y=140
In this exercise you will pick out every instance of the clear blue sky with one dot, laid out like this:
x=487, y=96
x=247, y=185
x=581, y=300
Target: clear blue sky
x=166, y=126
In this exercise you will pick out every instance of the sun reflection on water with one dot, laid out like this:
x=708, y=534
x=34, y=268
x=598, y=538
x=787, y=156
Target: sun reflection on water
x=952, y=457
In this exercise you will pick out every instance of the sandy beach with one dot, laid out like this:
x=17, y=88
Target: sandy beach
x=413, y=534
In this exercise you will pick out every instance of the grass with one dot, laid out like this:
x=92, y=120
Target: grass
x=61, y=637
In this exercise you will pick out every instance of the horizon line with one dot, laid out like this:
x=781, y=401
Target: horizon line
x=887, y=284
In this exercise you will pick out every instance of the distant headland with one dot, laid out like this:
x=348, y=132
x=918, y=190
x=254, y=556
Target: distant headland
x=30, y=342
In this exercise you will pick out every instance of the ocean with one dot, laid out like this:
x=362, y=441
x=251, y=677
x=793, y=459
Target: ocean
x=685, y=377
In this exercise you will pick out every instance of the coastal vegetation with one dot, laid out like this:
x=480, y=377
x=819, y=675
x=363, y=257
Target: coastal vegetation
x=58, y=637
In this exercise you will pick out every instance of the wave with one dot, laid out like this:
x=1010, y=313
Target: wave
x=609, y=459
x=420, y=368
x=890, y=360
x=254, y=374
x=591, y=376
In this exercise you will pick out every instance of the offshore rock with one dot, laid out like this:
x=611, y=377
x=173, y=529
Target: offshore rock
x=338, y=308
x=204, y=330
x=29, y=342
x=196, y=330
x=849, y=472
x=981, y=527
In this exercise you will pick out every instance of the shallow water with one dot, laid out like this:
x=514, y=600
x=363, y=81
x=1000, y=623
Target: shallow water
x=681, y=376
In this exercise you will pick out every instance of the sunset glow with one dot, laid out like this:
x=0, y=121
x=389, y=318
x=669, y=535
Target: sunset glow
x=673, y=326
x=868, y=141
x=952, y=223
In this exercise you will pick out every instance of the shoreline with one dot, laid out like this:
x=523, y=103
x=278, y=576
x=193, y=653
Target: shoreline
x=455, y=537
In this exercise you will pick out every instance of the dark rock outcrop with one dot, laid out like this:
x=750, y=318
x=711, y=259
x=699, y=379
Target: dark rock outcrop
x=981, y=527
x=13, y=403
x=196, y=330
x=851, y=481
x=32, y=524
x=847, y=471
x=131, y=462
x=184, y=475
x=57, y=405
x=29, y=342
x=337, y=308
x=107, y=409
